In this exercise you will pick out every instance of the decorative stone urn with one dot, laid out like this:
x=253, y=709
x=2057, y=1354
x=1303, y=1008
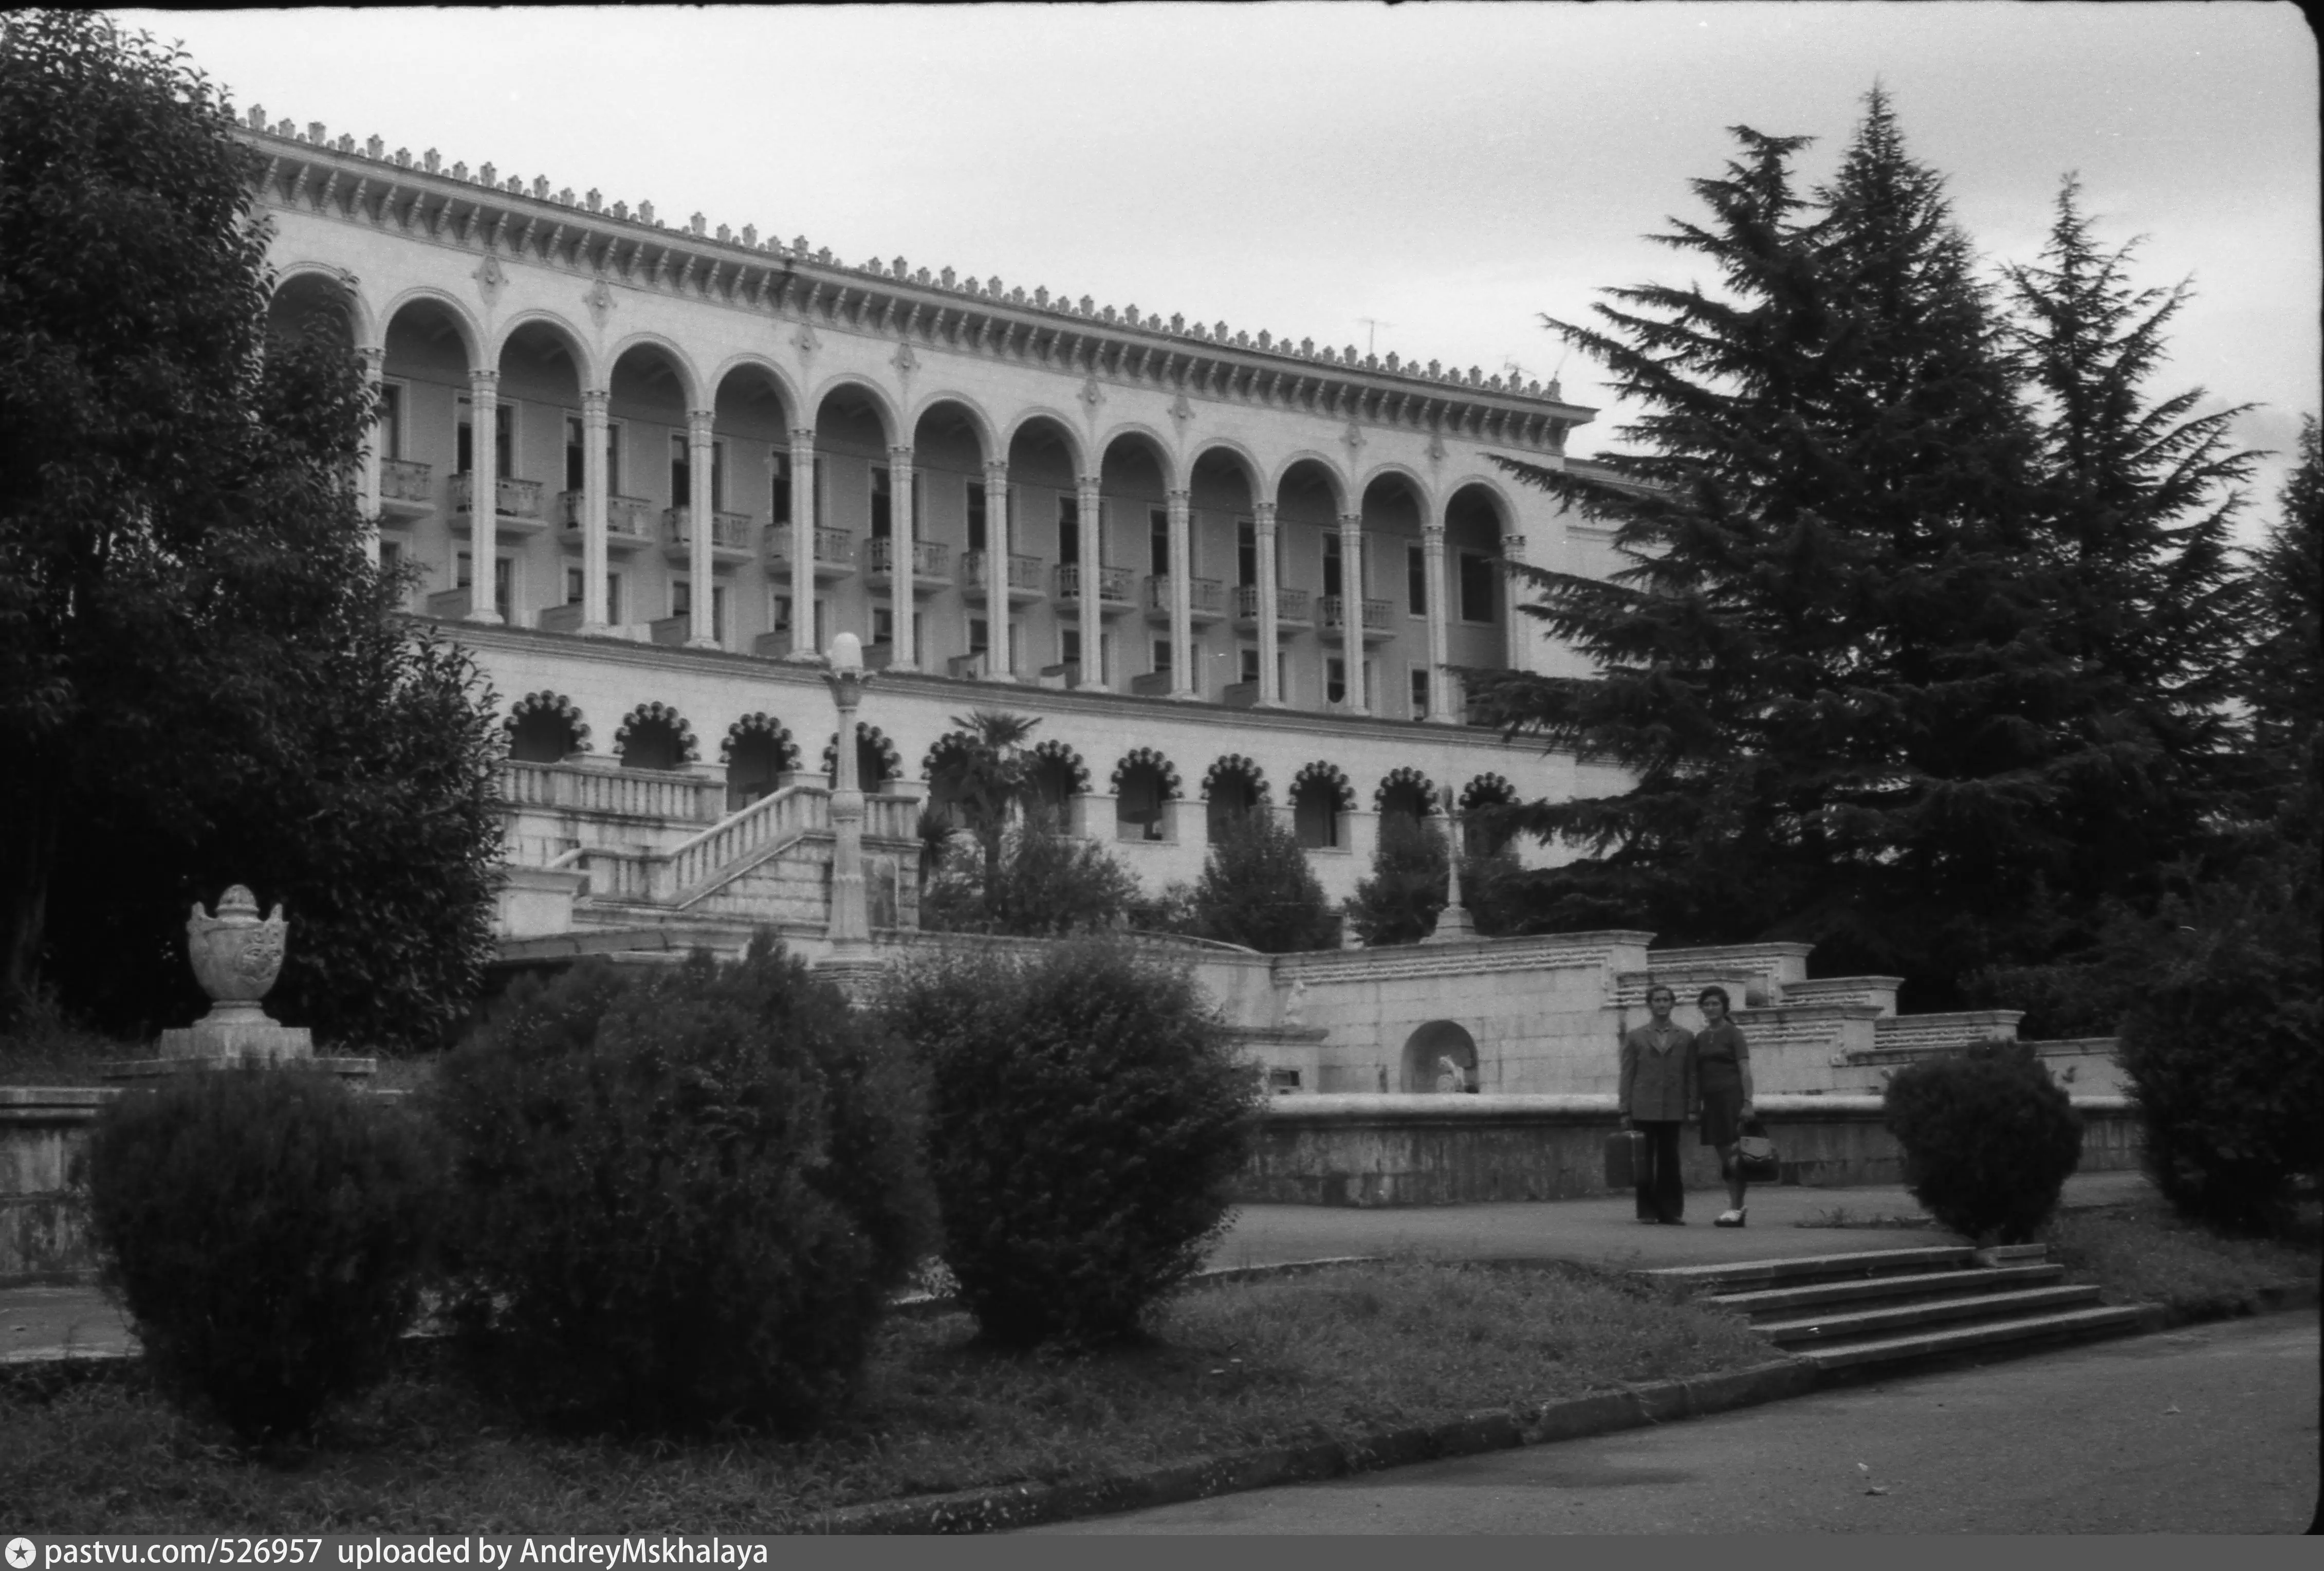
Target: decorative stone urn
x=237, y=958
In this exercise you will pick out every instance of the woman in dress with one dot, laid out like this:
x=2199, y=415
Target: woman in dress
x=1723, y=1072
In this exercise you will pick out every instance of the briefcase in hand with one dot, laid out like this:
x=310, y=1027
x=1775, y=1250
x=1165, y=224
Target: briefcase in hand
x=1625, y=1157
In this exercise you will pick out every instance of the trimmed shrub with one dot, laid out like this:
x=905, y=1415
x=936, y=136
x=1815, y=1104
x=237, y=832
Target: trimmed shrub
x=1989, y=1139
x=1258, y=891
x=2224, y=1051
x=686, y=1193
x=267, y=1230
x=1087, y=1119
x=1399, y=904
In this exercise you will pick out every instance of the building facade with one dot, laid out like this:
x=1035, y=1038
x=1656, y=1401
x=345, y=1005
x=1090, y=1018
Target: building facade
x=647, y=472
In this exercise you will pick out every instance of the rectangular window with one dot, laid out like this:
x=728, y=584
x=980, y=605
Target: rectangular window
x=1478, y=601
x=573, y=586
x=919, y=493
x=390, y=557
x=778, y=613
x=1016, y=644
x=883, y=502
x=1335, y=681
x=816, y=488
x=1069, y=529
x=1415, y=579
x=979, y=636
x=717, y=476
x=1158, y=539
x=976, y=518
x=577, y=447
x=681, y=597
x=1245, y=553
x=390, y=419
x=613, y=598
x=779, y=493
x=1162, y=657
x=1420, y=692
x=503, y=581
x=822, y=623
x=1069, y=646
x=719, y=611
x=919, y=636
x=1330, y=564
x=613, y=457
x=1105, y=659
x=883, y=624
x=1249, y=669
x=503, y=440
x=681, y=471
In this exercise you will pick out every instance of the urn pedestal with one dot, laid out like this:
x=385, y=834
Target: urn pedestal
x=237, y=958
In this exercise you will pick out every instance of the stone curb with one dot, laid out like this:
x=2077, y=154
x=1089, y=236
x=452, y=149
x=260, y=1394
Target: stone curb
x=929, y=1306
x=988, y=1511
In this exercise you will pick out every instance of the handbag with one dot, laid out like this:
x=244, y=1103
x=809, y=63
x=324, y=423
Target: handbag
x=1756, y=1160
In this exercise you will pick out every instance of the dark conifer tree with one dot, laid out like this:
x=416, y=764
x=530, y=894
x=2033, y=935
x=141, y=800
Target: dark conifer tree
x=2282, y=678
x=1824, y=668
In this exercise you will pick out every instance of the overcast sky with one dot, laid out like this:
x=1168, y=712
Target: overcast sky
x=1450, y=172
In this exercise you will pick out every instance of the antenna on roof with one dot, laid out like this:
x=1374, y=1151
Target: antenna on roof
x=1372, y=325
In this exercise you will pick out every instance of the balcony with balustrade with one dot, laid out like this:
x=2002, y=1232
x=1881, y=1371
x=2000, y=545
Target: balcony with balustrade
x=1207, y=599
x=1024, y=575
x=1291, y=609
x=1376, y=628
x=1113, y=590
x=931, y=565
x=629, y=522
x=518, y=506
x=730, y=536
x=407, y=490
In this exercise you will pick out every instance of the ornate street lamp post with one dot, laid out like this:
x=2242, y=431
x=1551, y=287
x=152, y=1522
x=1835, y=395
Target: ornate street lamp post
x=849, y=930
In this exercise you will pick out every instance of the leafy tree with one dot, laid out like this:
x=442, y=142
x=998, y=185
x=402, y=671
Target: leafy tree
x=199, y=680
x=1399, y=904
x=1049, y=883
x=1258, y=891
x=1842, y=665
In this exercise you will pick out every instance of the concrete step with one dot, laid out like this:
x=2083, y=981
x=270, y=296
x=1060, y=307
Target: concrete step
x=1783, y=1303
x=1831, y=1330
x=1741, y=1276
x=2069, y=1325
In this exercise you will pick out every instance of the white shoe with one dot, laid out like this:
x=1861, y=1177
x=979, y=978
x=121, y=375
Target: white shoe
x=1730, y=1218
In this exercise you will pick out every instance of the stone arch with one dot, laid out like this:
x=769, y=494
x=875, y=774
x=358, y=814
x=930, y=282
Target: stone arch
x=690, y=378
x=1426, y=1049
x=653, y=735
x=786, y=389
x=361, y=323
x=1320, y=797
x=1254, y=473
x=1334, y=478
x=1055, y=773
x=1404, y=790
x=1232, y=785
x=980, y=423
x=1166, y=455
x=543, y=727
x=1424, y=495
x=877, y=761
x=883, y=403
x=1077, y=451
x=1485, y=792
x=756, y=749
x=586, y=370
x=464, y=322
x=1504, y=503
x=1142, y=782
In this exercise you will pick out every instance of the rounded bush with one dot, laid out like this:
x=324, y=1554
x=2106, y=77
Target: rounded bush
x=1087, y=1120
x=685, y=1193
x=267, y=1230
x=1989, y=1140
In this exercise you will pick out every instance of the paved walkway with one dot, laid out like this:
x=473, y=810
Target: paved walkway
x=62, y=1322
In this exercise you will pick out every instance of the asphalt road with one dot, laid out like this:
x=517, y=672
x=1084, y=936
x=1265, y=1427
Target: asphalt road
x=2212, y=1429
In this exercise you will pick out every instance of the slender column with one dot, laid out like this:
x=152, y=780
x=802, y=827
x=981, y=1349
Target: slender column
x=1351, y=607
x=1513, y=551
x=1270, y=696
x=702, y=633
x=849, y=928
x=900, y=548
x=997, y=600
x=374, y=361
x=803, y=542
x=483, y=491
x=593, y=403
x=1183, y=675
x=1432, y=556
x=1093, y=564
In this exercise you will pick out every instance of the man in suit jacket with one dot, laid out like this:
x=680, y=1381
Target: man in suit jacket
x=1658, y=1095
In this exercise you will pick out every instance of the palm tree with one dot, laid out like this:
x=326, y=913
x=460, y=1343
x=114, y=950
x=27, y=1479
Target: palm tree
x=984, y=778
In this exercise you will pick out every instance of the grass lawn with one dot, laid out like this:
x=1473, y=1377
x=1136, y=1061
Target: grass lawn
x=2144, y=1254
x=1299, y=1360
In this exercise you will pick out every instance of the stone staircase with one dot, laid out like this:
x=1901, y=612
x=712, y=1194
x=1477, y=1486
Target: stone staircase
x=1890, y=1307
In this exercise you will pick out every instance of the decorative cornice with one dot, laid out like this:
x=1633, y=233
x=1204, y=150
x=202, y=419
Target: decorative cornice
x=311, y=172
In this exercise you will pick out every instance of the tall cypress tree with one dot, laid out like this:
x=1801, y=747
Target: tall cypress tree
x=2145, y=606
x=1825, y=666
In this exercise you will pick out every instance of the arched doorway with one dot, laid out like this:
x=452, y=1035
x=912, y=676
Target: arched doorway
x=1435, y=1052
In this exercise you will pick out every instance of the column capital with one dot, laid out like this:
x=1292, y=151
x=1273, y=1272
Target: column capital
x=374, y=359
x=900, y=454
x=484, y=382
x=1263, y=514
x=596, y=400
x=1513, y=546
x=1352, y=523
x=996, y=471
x=802, y=437
x=1179, y=496
x=1087, y=482
x=698, y=421
x=1434, y=532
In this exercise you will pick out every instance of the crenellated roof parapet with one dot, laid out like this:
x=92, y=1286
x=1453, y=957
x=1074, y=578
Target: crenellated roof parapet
x=484, y=211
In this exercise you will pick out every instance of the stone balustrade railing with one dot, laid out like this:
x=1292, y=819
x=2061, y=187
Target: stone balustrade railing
x=625, y=792
x=511, y=498
x=1112, y=583
x=405, y=480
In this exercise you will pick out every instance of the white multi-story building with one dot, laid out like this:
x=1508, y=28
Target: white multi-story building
x=646, y=473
